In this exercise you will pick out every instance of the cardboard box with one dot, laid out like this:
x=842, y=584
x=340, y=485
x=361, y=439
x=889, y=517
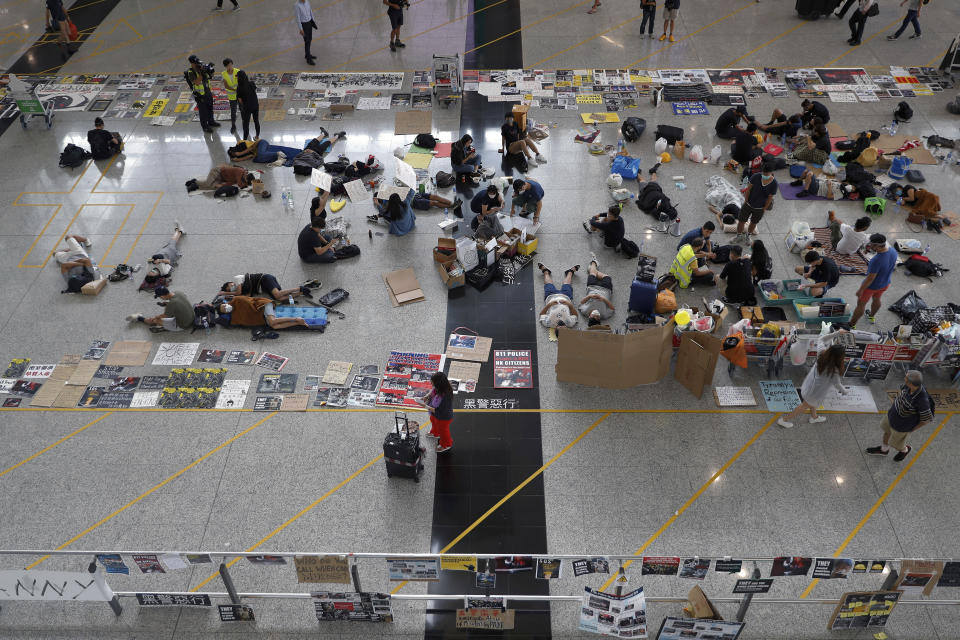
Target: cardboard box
x=403, y=287
x=529, y=246
x=341, y=108
x=445, y=251
x=699, y=606
x=697, y=360
x=451, y=281
x=94, y=287
x=487, y=253
x=520, y=112
x=609, y=360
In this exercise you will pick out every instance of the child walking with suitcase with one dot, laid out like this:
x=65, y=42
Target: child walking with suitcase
x=439, y=402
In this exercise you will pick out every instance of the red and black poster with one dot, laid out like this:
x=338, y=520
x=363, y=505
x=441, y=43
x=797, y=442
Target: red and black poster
x=512, y=369
x=406, y=378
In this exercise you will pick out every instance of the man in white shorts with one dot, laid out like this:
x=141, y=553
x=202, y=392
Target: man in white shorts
x=824, y=187
x=74, y=260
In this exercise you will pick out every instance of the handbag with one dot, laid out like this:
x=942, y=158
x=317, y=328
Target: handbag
x=874, y=10
x=72, y=32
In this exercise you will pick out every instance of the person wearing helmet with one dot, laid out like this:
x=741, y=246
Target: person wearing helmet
x=198, y=77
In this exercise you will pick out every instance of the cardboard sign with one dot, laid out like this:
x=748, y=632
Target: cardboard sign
x=488, y=619
x=468, y=347
x=919, y=576
x=779, y=395
x=697, y=360
x=322, y=569
x=321, y=180
x=609, y=360
x=403, y=287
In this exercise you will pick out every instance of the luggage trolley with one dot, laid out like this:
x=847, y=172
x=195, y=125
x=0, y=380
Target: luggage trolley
x=447, y=87
x=28, y=103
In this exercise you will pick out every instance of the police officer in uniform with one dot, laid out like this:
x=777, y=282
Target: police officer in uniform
x=229, y=74
x=198, y=77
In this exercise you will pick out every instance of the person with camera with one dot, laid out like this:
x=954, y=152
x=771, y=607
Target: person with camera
x=305, y=23
x=395, y=13
x=198, y=77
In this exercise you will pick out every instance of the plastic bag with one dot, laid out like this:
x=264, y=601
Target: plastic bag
x=660, y=145
x=626, y=166
x=715, y=154
x=399, y=152
x=614, y=181
x=799, y=237
x=799, y=350
x=720, y=193
x=908, y=306
x=829, y=168
x=696, y=153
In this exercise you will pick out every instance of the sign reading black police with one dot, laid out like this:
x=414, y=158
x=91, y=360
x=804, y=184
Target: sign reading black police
x=753, y=586
x=171, y=600
x=728, y=566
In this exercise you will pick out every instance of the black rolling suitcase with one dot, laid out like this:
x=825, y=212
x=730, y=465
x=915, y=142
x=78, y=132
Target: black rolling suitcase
x=401, y=449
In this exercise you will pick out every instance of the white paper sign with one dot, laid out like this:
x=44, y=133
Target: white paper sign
x=735, y=397
x=406, y=174
x=21, y=584
x=857, y=399
x=356, y=191
x=384, y=193
x=233, y=394
x=176, y=354
x=145, y=399
x=173, y=561
x=321, y=180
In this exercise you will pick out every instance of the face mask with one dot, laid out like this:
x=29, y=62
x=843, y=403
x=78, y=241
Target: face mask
x=767, y=176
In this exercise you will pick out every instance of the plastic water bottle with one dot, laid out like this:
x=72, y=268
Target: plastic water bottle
x=290, y=204
x=446, y=214
x=926, y=249
x=283, y=198
x=893, y=127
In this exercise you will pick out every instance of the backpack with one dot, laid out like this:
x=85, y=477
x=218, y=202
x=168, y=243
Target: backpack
x=445, y=180
x=337, y=189
x=629, y=248
x=356, y=170
x=903, y=112
x=334, y=297
x=226, y=191
x=721, y=254
x=349, y=251
x=75, y=283
x=920, y=265
x=940, y=141
x=425, y=140
x=844, y=145
x=73, y=156
x=670, y=133
x=204, y=316
x=649, y=197
x=633, y=128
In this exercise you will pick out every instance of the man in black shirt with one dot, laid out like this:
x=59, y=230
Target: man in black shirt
x=823, y=271
x=727, y=124
x=516, y=141
x=103, y=143
x=611, y=224
x=744, y=144
x=813, y=109
x=738, y=275
x=313, y=245
x=780, y=124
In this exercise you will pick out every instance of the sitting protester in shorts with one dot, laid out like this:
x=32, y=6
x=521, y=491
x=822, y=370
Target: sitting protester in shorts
x=558, y=310
x=103, y=144
x=177, y=313
x=245, y=311
x=322, y=143
x=528, y=195
x=821, y=271
x=396, y=211
x=424, y=201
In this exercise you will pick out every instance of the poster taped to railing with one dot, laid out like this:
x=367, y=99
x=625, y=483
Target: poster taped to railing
x=613, y=615
x=352, y=606
x=487, y=619
x=322, y=569
x=20, y=584
x=414, y=569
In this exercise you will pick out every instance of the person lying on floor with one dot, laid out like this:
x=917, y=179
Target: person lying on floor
x=262, y=151
x=399, y=213
x=74, y=261
x=727, y=218
x=103, y=144
x=596, y=306
x=824, y=187
x=163, y=261
x=923, y=202
x=177, y=313
x=322, y=143
x=222, y=176
x=246, y=311
x=558, y=310
x=260, y=284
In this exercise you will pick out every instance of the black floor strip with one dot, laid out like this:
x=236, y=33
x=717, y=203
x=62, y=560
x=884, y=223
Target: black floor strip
x=45, y=55
x=492, y=453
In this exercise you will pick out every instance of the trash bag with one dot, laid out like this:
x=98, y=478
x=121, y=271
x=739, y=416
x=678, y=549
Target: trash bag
x=627, y=167
x=715, y=154
x=696, y=153
x=908, y=306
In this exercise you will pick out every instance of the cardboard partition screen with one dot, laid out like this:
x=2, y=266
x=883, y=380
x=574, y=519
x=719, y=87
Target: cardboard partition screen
x=614, y=361
x=697, y=360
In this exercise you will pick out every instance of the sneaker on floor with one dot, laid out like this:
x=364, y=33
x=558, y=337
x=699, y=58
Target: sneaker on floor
x=373, y=219
x=586, y=226
x=818, y=420
x=87, y=243
x=891, y=37
x=399, y=44
x=783, y=423
x=796, y=183
x=876, y=451
x=672, y=39
x=134, y=317
x=914, y=36
x=177, y=226
x=541, y=159
x=487, y=173
x=593, y=259
x=532, y=163
x=902, y=454
x=442, y=449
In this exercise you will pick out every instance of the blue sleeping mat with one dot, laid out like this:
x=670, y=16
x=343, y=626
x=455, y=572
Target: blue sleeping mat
x=315, y=316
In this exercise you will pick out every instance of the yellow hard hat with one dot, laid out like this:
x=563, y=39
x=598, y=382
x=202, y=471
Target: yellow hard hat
x=665, y=157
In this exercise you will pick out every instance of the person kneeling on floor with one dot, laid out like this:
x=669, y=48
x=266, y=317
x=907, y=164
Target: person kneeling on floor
x=738, y=274
x=528, y=195
x=103, y=144
x=224, y=175
x=246, y=311
x=260, y=284
x=611, y=224
x=823, y=271
x=596, y=306
x=487, y=204
x=177, y=312
x=558, y=310
x=685, y=268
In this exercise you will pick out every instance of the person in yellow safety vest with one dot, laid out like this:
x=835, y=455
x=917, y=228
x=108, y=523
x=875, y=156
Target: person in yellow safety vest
x=685, y=268
x=229, y=75
x=198, y=77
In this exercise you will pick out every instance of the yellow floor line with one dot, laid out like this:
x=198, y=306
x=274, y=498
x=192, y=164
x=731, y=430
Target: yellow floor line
x=686, y=505
x=766, y=44
x=156, y=487
x=881, y=499
x=48, y=448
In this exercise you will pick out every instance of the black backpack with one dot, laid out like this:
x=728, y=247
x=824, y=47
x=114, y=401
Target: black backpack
x=75, y=283
x=73, y=156
x=903, y=112
x=940, y=141
x=349, y=251
x=425, y=140
x=629, y=248
x=633, y=128
x=920, y=265
x=444, y=179
x=204, y=316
